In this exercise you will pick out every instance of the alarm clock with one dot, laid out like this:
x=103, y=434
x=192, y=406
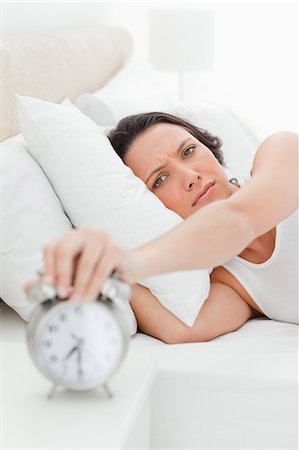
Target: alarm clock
x=78, y=346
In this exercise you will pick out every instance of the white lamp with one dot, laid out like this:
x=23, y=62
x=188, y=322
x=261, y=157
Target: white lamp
x=181, y=40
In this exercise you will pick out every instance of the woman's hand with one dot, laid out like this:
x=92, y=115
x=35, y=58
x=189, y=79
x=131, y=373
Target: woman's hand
x=82, y=259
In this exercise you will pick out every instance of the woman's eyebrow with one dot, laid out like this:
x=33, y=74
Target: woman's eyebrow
x=161, y=167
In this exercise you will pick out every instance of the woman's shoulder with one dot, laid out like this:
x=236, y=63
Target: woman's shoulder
x=270, y=194
x=279, y=149
x=278, y=135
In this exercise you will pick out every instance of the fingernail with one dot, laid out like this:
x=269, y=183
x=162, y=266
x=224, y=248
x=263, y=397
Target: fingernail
x=63, y=291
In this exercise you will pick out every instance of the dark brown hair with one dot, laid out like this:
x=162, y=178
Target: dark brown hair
x=132, y=126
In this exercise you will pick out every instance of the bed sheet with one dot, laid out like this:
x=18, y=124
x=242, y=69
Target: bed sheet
x=260, y=334
x=238, y=391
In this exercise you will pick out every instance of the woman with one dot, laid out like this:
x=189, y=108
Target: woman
x=228, y=226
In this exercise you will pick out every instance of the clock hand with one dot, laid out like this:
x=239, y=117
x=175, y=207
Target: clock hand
x=71, y=352
x=79, y=371
x=79, y=340
x=74, y=337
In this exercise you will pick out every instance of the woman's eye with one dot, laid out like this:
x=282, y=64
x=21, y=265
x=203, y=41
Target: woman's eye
x=188, y=151
x=159, y=181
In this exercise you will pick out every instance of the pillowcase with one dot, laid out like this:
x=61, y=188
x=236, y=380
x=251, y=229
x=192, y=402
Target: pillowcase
x=98, y=189
x=67, y=102
x=136, y=88
x=239, y=141
x=32, y=215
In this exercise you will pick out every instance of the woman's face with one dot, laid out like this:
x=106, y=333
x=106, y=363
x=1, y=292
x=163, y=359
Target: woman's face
x=177, y=168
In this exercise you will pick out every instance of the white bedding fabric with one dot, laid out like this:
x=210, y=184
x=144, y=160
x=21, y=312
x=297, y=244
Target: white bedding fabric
x=235, y=392
x=135, y=88
x=31, y=215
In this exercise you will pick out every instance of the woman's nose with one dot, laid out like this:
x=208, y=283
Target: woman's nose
x=191, y=179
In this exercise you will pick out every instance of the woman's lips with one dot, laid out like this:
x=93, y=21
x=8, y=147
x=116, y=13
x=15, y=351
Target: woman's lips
x=208, y=190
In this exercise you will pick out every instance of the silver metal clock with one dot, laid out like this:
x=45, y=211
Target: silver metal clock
x=78, y=346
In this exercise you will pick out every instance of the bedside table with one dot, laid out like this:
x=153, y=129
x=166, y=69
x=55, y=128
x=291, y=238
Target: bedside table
x=74, y=420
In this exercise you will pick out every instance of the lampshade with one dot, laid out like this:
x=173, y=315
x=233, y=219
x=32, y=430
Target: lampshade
x=181, y=40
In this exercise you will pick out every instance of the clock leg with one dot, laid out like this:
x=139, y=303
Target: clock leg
x=52, y=392
x=107, y=390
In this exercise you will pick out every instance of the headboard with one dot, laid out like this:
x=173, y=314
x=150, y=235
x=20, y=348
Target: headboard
x=57, y=65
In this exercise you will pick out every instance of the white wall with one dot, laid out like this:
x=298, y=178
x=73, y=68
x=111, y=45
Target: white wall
x=256, y=48
x=39, y=16
x=256, y=55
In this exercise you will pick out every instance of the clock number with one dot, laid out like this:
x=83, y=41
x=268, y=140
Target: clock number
x=53, y=358
x=62, y=317
x=52, y=328
x=47, y=343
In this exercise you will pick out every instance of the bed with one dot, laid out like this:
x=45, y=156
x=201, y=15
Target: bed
x=237, y=391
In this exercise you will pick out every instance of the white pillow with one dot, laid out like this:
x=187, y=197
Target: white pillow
x=97, y=188
x=32, y=215
x=239, y=141
x=136, y=88
x=67, y=102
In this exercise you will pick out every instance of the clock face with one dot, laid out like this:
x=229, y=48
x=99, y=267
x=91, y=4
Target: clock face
x=79, y=345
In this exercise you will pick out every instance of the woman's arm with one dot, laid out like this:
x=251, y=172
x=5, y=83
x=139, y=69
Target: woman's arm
x=85, y=257
x=221, y=230
x=224, y=311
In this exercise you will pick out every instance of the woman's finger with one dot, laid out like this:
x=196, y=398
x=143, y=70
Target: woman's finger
x=49, y=261
x=110, y=259
x=87, y=263
x=65, y=254
x=83, y=258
